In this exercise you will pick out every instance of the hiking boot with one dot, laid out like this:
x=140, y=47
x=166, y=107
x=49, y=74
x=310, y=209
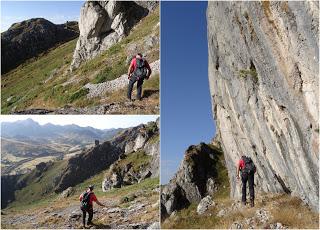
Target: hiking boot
x=251, y=203
x=243, y=203
x=90, y=223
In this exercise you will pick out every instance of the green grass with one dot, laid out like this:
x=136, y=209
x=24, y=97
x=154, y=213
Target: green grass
x=37, y=192
x=25, y=82
x=111, y=72
x=138, y=160
x=78, y=94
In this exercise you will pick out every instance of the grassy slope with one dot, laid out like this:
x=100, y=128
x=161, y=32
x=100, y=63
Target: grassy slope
x=25, y=83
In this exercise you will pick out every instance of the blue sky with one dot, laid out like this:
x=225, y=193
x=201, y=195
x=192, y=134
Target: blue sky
x=55, y=11
x=186, y=116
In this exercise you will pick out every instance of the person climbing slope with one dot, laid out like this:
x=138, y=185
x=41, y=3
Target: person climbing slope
x=247, y=168
x=86, y=199
x=139, y=70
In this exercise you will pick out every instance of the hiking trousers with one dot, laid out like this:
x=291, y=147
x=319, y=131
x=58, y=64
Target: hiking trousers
x=84, y=213
x=133, y=80
x=247, y=177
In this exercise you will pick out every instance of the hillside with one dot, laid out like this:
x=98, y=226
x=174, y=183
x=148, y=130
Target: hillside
x=52, y=189
x=27, y=39
x=46, y=84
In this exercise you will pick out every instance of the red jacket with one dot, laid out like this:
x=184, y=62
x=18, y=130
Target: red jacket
x=134, y=65
x=241, y=164
x=92, y=198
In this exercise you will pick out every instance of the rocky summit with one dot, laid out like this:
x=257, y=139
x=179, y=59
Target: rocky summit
x=104, y=23
x=264, y=82
x=27, y=39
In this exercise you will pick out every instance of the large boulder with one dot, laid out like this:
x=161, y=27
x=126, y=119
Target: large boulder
x=264, y=83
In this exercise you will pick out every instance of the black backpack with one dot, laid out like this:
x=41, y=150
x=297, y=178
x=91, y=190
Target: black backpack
x=141, y=69
x=249, y=166
x=85, y=201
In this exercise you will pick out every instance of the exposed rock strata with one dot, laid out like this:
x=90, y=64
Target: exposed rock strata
x=264, y=82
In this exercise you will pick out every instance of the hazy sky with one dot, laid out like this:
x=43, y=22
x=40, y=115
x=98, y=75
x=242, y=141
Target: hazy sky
x=95, y=121
x=55, y=11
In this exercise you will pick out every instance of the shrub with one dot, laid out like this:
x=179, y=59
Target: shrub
x=78, y=94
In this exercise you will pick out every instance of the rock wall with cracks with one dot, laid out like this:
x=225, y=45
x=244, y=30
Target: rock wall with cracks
x=264, y=83
x=104, y=23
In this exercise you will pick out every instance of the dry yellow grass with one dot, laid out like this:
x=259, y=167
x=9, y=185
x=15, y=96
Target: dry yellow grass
x=287, y=210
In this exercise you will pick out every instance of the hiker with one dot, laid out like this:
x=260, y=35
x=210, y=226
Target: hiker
x=139, y=70
x=86, y=199
x=247, y=168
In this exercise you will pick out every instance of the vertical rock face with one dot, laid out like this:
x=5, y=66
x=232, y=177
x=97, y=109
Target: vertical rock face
x=264, y=82
x=104, y=23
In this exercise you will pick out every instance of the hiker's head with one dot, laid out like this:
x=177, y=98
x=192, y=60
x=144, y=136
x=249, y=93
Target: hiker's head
x=91, y=187
x=139, y=55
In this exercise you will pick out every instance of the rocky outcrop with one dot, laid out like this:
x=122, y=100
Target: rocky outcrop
x=29, y=38
x=104, y=23
x=205, y=204
x=195, y=179
x=264, y=82
x=139, y=161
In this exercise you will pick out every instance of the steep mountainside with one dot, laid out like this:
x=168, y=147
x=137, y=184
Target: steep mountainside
x=110, y=34
x=27, y=39
x=264, y=82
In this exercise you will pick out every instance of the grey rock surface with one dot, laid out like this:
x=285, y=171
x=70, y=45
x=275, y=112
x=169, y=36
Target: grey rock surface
x=205, y=204
x=189, y=185
x=264, y=83
x=104, y=23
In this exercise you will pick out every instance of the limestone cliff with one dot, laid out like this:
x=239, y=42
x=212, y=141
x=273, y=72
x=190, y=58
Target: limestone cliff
x=264, y=82
x=104, y=23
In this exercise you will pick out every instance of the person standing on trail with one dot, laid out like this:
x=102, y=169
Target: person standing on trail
x=86, y=199
x=139, y=70
x=247, y=168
